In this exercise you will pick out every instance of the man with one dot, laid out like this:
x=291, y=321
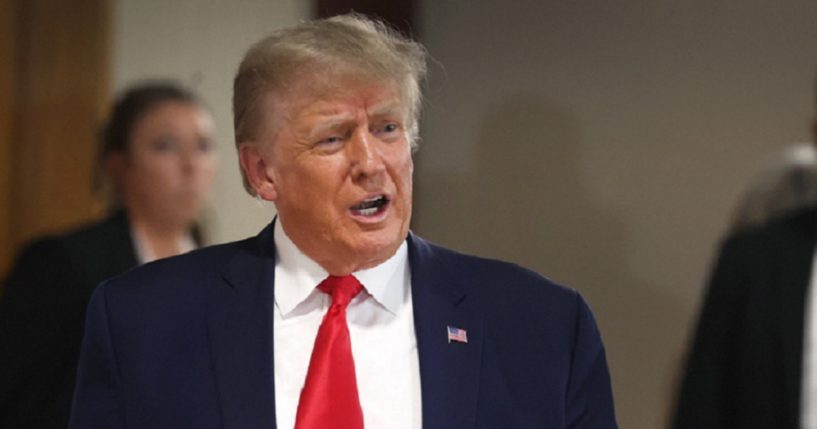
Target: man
x=753, y=360
x=243, y=335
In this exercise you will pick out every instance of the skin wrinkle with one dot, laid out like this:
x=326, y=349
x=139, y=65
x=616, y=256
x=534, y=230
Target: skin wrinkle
x=312, y=82
x=335, y=147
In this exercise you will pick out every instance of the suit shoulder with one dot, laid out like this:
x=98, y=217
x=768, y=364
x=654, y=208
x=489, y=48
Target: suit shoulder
x=41, y=248
x=55, y=252
x=498, y=277
x=90, y=235
x=792, y=231
x=515, y=299
x=194, y=264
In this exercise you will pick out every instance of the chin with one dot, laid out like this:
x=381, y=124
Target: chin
x=185, y=218
x=379, y=244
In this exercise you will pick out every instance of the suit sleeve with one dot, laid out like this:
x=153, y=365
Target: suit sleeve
x=589, y=393
x=703, y=402
x=97, y=398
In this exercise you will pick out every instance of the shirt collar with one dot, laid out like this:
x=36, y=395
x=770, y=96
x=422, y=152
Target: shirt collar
x=297, y=276
x=144, y=253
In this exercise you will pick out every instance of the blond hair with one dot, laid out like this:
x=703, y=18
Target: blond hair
x=353, y=43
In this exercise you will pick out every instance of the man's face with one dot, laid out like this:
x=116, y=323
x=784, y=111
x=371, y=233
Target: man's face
x=340, y=163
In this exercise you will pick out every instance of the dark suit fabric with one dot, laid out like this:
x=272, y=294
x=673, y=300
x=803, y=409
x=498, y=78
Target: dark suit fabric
x=187, y=343
x=42, y=316
x=744, y=365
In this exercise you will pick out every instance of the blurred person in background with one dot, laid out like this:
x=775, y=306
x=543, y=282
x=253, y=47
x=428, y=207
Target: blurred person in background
x=753, y=359
x=789, y=184
x=156, y=162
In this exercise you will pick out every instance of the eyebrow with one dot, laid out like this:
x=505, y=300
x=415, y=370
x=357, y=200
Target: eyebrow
x=387, y=108
x=330, y=119
x=329, y=124
x=384, y=108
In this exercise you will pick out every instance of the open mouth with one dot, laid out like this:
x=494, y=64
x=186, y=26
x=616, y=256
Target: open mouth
x=371, y=206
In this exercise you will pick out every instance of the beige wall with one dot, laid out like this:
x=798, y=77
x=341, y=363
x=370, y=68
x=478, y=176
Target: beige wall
x=200, y=44
x=604, y=143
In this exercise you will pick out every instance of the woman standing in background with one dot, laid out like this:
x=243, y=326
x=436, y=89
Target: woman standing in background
x=157, y=162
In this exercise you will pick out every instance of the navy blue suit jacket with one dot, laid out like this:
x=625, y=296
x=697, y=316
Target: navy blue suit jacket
x=187, y=342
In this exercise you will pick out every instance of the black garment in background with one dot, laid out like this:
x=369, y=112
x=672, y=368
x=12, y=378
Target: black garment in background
x=42, y=318
x=744, y=367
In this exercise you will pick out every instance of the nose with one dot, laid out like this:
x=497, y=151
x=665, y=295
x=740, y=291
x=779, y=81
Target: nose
x=189, y=161
x=365, y=155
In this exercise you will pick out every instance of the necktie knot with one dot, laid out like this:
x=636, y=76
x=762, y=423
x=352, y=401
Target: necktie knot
x=341, y=288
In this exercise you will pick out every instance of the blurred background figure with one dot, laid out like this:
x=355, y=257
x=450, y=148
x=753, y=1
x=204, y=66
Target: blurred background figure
x=155, y=164
x=790, y=183
x=753, y=359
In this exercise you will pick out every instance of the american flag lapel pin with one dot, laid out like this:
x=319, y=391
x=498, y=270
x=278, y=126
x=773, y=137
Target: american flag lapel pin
x=457, y=334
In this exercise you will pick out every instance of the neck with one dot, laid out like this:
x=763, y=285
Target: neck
x=162, y=239
x=342, y=268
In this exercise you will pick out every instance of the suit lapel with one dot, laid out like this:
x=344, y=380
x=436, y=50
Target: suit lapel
x=795, y=275
x=449, y=372
x=240, y=327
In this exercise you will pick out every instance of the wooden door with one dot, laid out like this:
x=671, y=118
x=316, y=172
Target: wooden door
x=54, y=89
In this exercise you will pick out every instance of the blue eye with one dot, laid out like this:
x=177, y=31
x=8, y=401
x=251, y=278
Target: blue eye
x=388, y=132
x=333, y=139
x=330, y=141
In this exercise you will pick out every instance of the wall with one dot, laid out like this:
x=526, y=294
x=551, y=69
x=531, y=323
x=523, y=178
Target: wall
x=200, y=45
x=53, y=86
x=8, y=38
x=605, y=143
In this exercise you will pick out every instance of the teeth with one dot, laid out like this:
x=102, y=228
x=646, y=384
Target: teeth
x=368, y=212
x=371, y=206
x=370, y=203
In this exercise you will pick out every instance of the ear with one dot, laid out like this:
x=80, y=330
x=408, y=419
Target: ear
x=257, y=170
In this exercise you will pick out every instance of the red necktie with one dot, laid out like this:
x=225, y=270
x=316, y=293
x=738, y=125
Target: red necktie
x=329, y=398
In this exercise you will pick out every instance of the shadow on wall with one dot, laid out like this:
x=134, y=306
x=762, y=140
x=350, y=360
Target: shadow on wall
x=527, y=202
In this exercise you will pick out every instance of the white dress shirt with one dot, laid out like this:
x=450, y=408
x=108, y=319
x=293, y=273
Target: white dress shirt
x=808, y=400
x=144, y=253
x=381, y=327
